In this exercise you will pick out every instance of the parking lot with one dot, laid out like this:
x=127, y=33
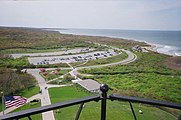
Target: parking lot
x=72, y=58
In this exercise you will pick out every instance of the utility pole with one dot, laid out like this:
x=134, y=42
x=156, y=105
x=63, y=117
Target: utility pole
x=2, y=102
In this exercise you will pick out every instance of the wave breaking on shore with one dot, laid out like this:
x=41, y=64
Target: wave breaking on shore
x=166, y=49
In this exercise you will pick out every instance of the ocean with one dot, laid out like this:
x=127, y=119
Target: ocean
x=167, y=42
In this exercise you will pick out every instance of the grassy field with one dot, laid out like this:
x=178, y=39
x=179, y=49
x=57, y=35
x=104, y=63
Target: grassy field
x=115, y=110
x=38, y=39
x=146, y=77
x=101, y=61
x=29, y=92
x=30, y=106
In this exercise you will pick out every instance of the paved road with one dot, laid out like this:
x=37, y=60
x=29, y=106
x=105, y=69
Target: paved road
x=73, y=51
x=45, y=98
x=131, y=57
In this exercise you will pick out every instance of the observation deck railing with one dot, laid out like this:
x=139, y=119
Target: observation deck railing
x=103, y=97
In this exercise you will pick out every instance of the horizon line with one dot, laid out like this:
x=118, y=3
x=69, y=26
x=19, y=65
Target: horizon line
x=89, y=28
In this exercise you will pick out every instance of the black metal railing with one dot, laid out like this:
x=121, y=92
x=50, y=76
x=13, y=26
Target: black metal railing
x=103, y=97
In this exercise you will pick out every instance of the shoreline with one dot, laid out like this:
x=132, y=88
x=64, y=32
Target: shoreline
x=161, y=49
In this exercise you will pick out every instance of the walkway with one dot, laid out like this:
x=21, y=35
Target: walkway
x=45, y=98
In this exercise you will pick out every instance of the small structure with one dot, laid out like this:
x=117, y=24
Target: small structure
x=137, y=48
x=90, y=85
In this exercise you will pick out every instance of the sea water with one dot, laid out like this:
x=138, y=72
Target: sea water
x=167, y=42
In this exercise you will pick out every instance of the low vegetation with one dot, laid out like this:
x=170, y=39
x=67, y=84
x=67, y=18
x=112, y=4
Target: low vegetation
x=67, y=79
x=22, y=62
x=38, y=39
x=57, y=81
x=146, y=77
x=115, y=110
x=174, y=62
x=18, y=63
x=25, y=39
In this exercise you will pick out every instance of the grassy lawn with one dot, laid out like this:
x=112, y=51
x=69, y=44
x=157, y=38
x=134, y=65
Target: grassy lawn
x=108, y=60
x=115, y=110
x=29, y=92
x=30, y=106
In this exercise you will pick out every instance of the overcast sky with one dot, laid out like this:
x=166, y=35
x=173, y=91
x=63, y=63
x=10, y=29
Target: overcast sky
x=99, y=14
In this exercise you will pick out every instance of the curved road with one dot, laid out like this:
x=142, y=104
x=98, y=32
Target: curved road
x=131, y=57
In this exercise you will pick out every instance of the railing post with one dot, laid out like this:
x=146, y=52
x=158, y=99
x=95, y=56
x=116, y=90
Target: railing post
x=134, y=115
x=79, y=111
x=104, y=88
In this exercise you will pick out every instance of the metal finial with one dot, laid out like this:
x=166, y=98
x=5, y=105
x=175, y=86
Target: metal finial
x=104, y=88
